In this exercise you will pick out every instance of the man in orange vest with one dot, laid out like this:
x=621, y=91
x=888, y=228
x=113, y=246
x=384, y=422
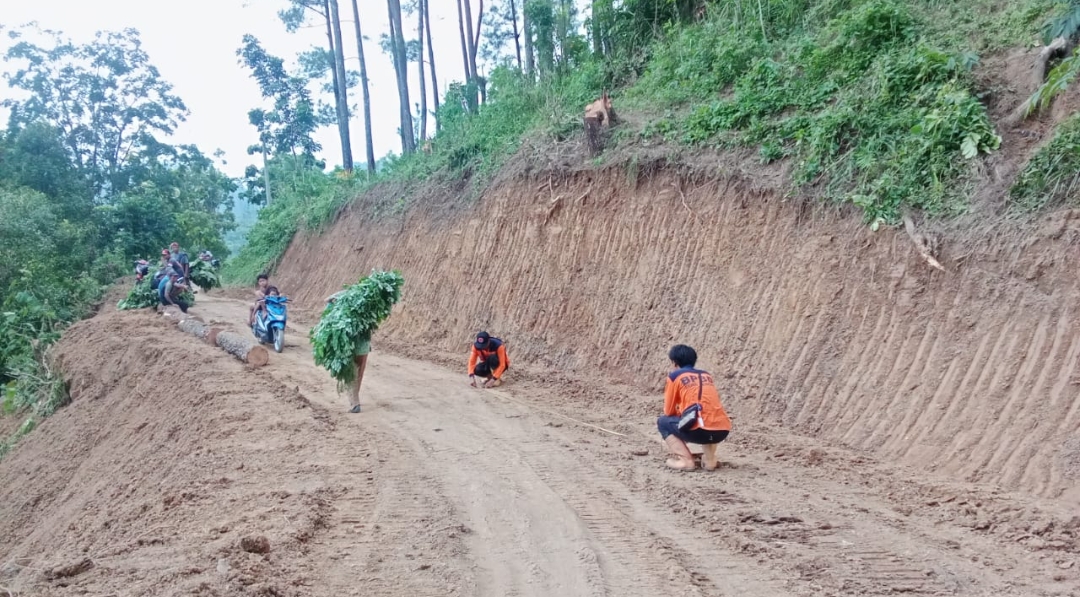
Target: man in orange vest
x=488, y=360
x=692, y=412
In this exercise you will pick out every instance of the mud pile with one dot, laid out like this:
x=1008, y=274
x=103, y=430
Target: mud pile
x=168, y=458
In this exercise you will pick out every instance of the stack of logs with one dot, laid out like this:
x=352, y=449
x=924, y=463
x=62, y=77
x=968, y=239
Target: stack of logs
x=239, y=346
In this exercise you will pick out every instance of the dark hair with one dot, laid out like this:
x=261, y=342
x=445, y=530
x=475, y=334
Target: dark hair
x=272, y=289
x=262, y=277
x=682, y=355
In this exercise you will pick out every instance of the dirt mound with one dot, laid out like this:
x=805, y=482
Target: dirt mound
x=146, y=483
x=815, y=321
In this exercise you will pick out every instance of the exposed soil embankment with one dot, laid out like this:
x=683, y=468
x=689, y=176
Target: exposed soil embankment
x=815, y=321
x=167, y=458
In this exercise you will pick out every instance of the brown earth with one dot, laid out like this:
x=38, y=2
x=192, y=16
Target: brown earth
x=819, y=324
x=162, y=479
x=898, y=429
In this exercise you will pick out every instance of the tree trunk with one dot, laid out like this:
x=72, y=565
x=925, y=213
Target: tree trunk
x=423, y=83
x=343, y=99
x=369, y=145
x=401, y=66
x=266, y=173
x=243, y=349
x=517, y=33
x=431, y=62
x=480, y=84
x=194, y=327
x=598, y=46
x=469, y=97
x=530, y=60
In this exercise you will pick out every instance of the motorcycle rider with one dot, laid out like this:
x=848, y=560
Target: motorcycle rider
x=261, y=304
x=261, y=284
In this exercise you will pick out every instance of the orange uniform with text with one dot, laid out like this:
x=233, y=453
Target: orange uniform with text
x=683, y=388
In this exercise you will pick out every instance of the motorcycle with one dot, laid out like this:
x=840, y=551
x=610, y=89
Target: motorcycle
x=269, y=325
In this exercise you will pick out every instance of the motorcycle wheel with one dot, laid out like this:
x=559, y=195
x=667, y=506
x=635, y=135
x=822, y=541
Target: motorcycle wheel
x=279, y=339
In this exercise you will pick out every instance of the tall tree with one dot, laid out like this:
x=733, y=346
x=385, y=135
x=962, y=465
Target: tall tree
x=470, y=46
x=289, y=126
x=517, y=32
x=401, y=68
x=369, y=146
x=431, y=59
x=342, y=99
x=502, y=37
x=420, y=62
x=106, y=98
x=294, y=17
x=470, y=97
x=527, y=32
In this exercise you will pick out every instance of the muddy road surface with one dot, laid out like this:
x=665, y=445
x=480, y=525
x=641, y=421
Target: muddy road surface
x=437, y=488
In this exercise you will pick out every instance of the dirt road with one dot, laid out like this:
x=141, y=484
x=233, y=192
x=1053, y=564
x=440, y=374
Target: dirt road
x=441, y=489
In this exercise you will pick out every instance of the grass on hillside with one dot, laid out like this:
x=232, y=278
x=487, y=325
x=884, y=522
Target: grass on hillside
x=872, y=100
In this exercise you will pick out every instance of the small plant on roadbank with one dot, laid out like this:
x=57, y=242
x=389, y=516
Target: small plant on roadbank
x=347, y=323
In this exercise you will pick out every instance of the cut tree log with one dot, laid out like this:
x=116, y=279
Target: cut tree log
x=243, y=349
x=235, y=344
x=192, y=325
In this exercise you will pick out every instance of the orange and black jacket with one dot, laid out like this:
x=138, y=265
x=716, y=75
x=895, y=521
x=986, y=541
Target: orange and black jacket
x=687, y=386
x=496, y=347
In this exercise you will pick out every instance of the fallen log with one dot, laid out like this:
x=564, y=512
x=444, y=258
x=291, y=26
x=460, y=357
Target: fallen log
x=235, y=344
x=192, y=325
x=242, y=348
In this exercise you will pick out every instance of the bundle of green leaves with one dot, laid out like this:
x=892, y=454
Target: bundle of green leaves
x=142, y=296
x=203, y=274
x=346, y=324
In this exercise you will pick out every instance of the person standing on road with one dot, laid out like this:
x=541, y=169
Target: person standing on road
x=363, y=348
x=488, y=360
x=341, y=341
x=692, y=412
x=181, y=258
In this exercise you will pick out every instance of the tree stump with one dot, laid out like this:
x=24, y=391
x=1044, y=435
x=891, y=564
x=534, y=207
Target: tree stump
x=242, y=348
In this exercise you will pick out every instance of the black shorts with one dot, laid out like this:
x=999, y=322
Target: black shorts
x=487, y=367
x=670, y=426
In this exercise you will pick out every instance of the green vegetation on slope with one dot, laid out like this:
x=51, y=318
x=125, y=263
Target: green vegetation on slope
x=85, y=189
x=1053, y=174
x=873, y=101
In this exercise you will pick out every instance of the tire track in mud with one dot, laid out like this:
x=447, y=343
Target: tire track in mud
x=451, y=490
x=542, y=522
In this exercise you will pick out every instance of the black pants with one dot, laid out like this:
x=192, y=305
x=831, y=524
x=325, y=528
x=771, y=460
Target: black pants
x=670, y=426
x=487, y=367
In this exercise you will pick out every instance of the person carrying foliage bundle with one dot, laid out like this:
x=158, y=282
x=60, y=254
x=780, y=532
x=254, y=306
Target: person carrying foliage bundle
x=692, y=412
x=342, y=338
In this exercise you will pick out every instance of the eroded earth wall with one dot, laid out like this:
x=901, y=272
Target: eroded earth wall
x=810, y=319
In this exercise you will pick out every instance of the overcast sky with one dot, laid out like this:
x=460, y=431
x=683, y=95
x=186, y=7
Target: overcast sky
x=193, y=43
